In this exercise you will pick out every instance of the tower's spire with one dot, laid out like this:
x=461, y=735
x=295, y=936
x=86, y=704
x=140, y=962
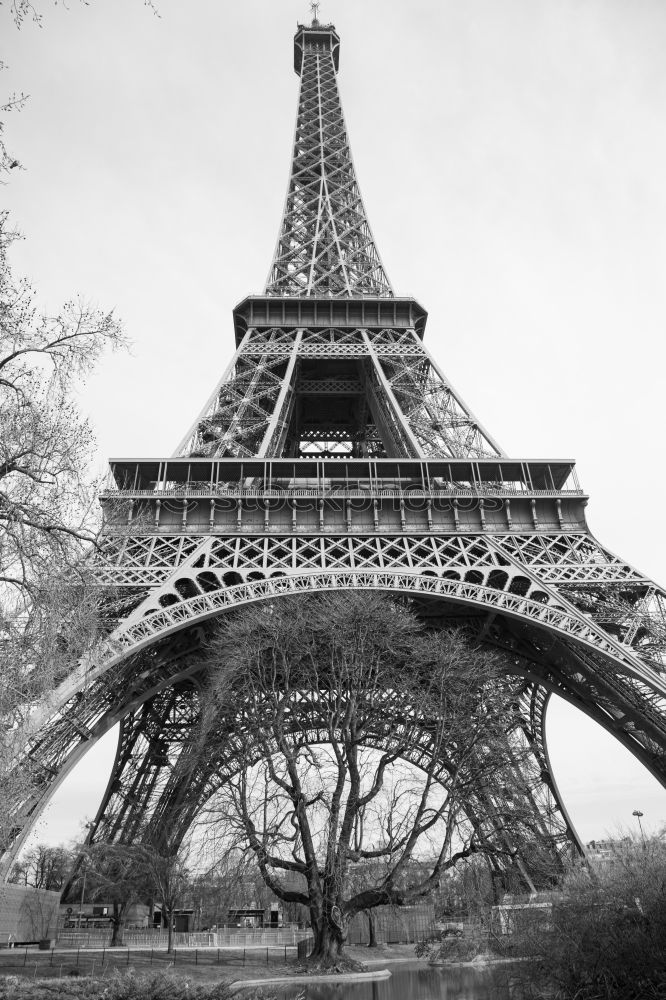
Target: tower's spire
x=325, y=246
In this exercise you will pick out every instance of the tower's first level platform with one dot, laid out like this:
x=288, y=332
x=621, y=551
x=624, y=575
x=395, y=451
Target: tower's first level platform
x=361, y=496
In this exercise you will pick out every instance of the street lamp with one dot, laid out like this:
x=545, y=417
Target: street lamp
x=85, y=872
x=637, y=813
x=83, y=892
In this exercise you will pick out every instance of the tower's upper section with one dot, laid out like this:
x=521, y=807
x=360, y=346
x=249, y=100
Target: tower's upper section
x=325, y=246
x=329, y=363
x=320, y=35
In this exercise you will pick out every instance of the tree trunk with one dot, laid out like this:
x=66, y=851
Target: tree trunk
x=328, y=945
x=497, y=886
x=330, y=934
x=170, y=927
x=372, y=929
x=117, y=922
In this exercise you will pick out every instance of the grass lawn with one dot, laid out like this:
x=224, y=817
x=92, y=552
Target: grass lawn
x=203, y=965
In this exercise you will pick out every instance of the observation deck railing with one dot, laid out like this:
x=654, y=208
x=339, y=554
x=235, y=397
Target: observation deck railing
x=324, y=493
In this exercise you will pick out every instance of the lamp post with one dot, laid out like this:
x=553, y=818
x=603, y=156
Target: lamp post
x=85, y=872
x=83, y=892
x=637, y=813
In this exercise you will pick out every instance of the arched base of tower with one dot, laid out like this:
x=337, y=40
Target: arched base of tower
x=153, y=689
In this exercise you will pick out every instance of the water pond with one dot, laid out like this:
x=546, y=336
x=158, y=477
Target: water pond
x=413, y=981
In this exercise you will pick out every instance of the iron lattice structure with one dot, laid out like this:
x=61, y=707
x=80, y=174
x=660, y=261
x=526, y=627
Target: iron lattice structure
x=333, y=453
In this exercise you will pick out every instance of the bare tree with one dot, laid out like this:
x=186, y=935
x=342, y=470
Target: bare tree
x=43, y=867
x=20, y=12
x=365, y=740
x=223, y=884
x=124, y=873
x=117, y=874
x=169, y=877
x=46, y=498
x=23, y=10
x=40, y=912
x=467, y=892
x=50, y=613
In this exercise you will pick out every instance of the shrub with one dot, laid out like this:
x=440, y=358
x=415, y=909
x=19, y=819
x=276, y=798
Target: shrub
x=128, y=986
x=451, y=947
x=606, y=939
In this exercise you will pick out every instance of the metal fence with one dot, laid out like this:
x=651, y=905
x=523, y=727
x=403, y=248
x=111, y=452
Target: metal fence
x=99, y=963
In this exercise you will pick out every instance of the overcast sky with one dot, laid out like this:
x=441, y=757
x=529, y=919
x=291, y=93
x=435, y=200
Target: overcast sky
x=512, y=156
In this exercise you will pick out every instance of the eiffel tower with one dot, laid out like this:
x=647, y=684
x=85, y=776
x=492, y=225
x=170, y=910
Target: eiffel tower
x=333, y=453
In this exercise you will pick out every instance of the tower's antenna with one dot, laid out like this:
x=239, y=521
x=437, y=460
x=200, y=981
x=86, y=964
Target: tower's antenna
x=314, y=7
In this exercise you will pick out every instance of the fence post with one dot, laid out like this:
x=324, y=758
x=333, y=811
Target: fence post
x=151, y=955
x=218, y=956
x=25, y=957
x=92, y=971
x=267, y=956
x=52, y=950
x=285, y=954
x=243, y=957
x=128, y=956
x=78, y=952
x=175, y=952
x=196, y=956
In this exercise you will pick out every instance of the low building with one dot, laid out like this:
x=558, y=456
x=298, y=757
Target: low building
x=605, y=853
x=27, y=915
x=98, y=914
